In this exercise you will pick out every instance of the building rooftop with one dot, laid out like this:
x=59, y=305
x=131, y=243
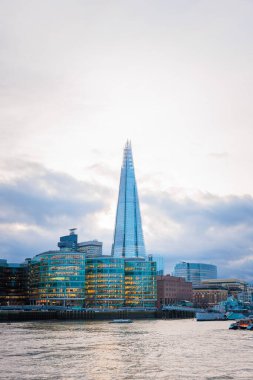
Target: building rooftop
x=222, y=280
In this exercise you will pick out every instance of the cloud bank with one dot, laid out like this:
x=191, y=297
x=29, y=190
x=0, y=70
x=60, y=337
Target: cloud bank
x=203, y=228
x=38, y=205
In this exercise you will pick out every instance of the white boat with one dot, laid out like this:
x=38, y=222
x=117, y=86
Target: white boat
x=210, y=316
x=121, y=321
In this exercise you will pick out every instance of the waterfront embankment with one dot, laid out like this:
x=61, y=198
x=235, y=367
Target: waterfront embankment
x=40, y=315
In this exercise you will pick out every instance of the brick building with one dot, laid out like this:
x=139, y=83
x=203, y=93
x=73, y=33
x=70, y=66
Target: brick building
x=171, y=290
x=204, y=297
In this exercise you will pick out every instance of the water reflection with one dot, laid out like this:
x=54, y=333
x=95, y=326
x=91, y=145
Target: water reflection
x=155, y=349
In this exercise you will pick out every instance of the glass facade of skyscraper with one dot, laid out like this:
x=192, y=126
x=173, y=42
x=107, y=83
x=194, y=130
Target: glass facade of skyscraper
x=128, y=235
x=140, y=283
x=79, y=275
x=70, y=278
x=104, y=285
x=57, y=278
x=195, y=272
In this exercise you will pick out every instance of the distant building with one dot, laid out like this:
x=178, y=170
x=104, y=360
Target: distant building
x=159, y=264
x=249, y=293
x=232, y=285
x=211, y=292
x=68, y=242
x=91, y=248
x=195, y=272
x=13, y=283
x=171, y=290
x=204, y=297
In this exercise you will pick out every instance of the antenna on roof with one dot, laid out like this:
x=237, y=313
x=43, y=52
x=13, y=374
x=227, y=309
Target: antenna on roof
x=72, y=231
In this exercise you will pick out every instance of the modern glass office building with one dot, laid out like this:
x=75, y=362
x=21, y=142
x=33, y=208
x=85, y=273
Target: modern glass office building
x=128, y=235
x=79, y=275
x=58, y=277
x=140, y=283
x=13, y=283
x=195, y=272
x=105, y=282
x=69, y=277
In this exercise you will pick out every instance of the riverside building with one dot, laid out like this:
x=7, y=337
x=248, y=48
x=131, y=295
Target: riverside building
x=58, y=277
x=213, y=291
x=13, y=283
x=78, y=274
x=195, y=272
x=171, y=290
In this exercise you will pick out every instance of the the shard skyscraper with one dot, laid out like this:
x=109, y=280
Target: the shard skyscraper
x=128, y=235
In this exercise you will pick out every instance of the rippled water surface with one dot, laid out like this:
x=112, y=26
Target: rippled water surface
x=155, y=349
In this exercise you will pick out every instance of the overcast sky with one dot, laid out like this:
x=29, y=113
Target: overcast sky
x=79, y=78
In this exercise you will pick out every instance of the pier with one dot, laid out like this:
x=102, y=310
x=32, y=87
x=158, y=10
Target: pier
x=63, y=314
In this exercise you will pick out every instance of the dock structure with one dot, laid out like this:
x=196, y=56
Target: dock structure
x=25, y=315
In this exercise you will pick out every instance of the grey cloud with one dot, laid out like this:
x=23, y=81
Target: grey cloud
x=46, y=194
x=211, y=229
x=40, y=204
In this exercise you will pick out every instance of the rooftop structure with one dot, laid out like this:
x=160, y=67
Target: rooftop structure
x=91, y=248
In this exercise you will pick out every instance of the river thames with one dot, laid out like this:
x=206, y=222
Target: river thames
x=153, y=349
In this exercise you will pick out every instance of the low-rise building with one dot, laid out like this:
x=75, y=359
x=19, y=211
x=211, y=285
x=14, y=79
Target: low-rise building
x=212, y=291
x=172, y=290
x=204, y=297
x=232, y=285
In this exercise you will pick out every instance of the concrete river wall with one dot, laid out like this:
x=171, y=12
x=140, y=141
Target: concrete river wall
x=39, y=315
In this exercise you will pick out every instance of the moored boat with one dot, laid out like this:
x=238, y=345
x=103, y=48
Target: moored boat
x=233, y=326
x=121, y=321
x=243, y=324
x=210, y=316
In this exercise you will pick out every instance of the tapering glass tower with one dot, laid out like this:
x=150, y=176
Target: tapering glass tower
x=128, y=235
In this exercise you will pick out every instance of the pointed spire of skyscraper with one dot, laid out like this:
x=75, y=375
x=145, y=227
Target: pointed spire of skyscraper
x=128, y=235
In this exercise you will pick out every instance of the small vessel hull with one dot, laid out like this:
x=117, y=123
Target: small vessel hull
x=211, y=316
x=243, y=324
x=121, y=321
x=233, y=326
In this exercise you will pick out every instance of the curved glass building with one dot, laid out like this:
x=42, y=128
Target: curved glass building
x=57, y=278
x=195, y=272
